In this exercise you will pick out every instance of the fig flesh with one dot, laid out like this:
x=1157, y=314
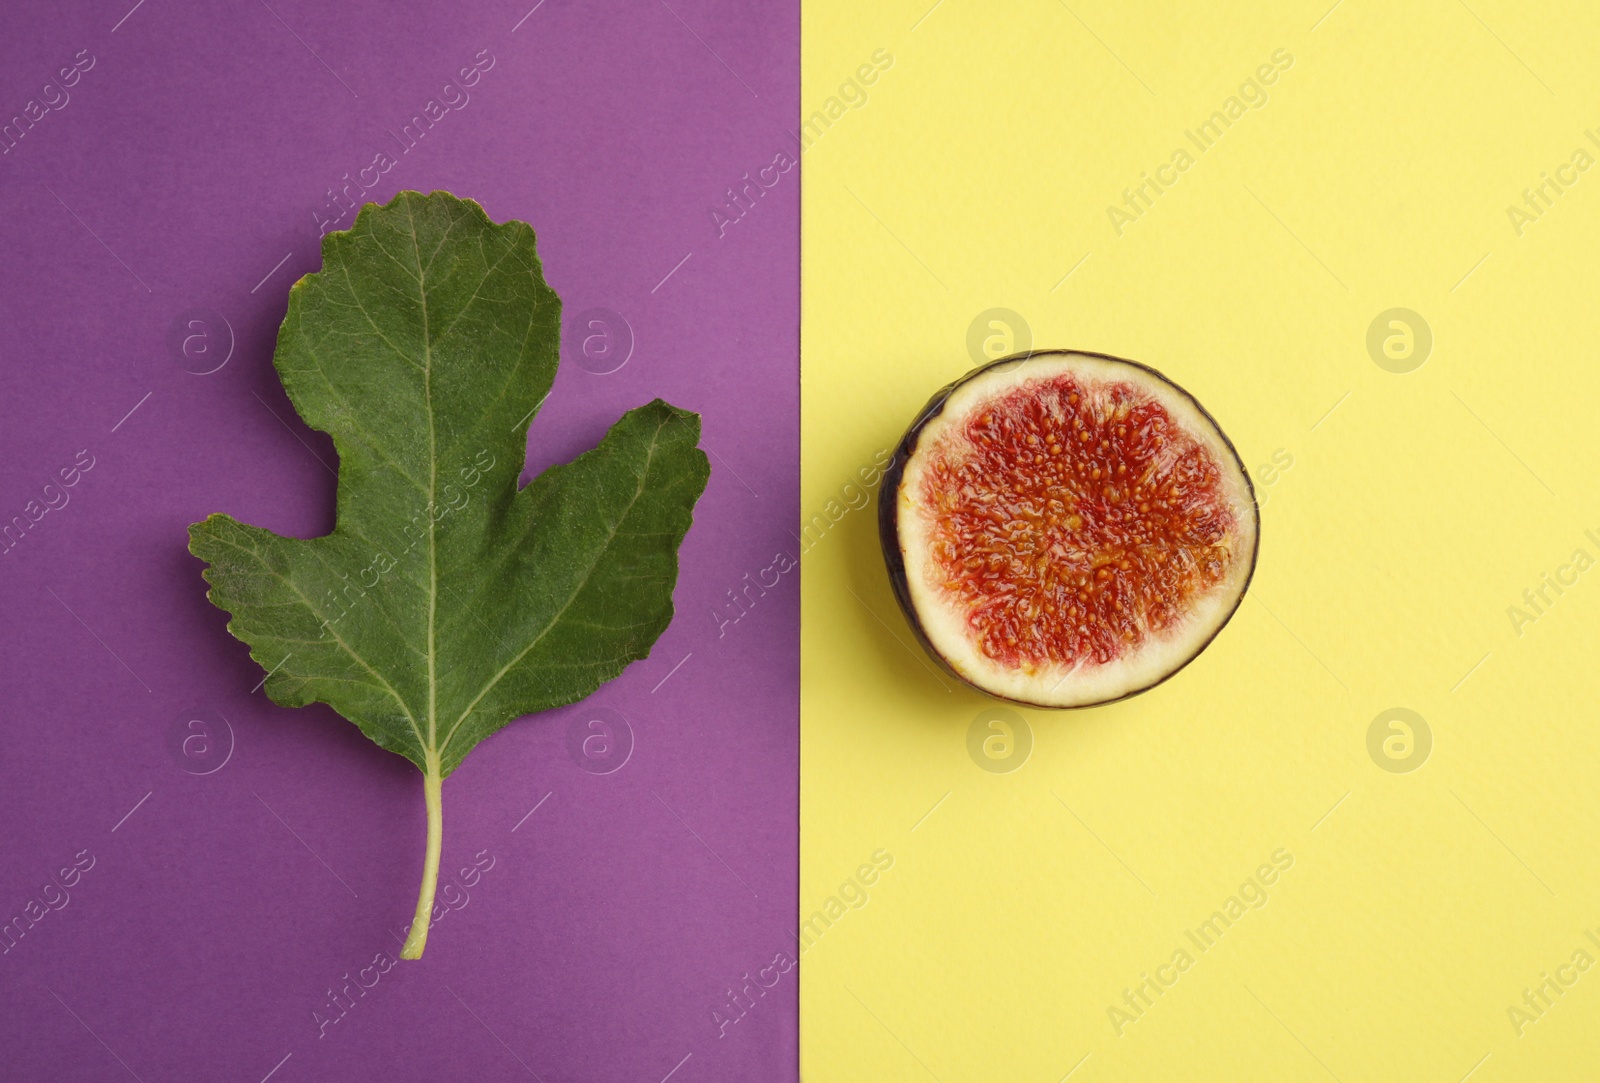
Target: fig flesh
x=1065, y=529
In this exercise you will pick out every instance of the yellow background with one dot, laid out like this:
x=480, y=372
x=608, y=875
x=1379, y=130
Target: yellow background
x=1377, y=176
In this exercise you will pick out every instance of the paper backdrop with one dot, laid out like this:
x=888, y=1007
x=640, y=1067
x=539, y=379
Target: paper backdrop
x=1354, y=839
x=613, y=871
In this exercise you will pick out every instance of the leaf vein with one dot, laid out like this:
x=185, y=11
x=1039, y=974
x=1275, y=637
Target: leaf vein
x=601, y=551
x=351, y=651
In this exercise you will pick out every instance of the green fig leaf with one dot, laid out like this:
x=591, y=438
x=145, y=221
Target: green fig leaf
x=447, y=601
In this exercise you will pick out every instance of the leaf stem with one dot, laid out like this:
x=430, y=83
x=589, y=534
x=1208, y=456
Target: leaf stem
x=417, y=939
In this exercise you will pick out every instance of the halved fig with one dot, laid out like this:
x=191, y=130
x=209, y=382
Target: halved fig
x=1066, y=529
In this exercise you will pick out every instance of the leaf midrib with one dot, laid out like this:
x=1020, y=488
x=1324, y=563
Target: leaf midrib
x=431, y=752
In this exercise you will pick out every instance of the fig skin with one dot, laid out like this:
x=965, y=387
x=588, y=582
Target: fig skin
x=894, y=557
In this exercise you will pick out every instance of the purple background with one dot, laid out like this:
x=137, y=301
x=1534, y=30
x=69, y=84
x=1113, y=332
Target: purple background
x=187, y=163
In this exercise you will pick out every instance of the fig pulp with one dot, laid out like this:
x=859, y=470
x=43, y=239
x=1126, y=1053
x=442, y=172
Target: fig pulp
x=1065, y=529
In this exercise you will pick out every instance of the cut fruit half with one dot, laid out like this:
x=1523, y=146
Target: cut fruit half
x=1065, y=529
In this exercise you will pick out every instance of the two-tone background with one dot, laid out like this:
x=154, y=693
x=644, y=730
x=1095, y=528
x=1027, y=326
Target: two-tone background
x=1351, y=842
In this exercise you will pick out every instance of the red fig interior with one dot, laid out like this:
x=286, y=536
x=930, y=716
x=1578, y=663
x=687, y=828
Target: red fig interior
x=1068, y=529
